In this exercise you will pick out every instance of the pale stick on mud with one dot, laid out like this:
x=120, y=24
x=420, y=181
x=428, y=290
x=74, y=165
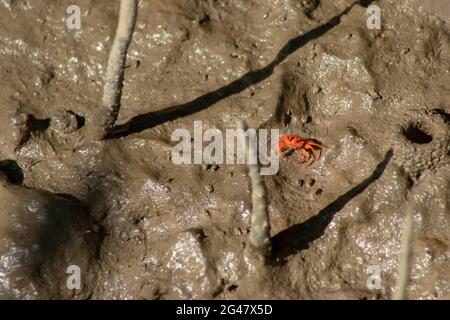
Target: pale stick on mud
x=112, y=91
x=404, y=263
x=259, y=236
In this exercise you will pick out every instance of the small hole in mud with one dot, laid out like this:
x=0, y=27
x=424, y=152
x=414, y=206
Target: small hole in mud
x=416, y=135
x=409, y=182
x=232, y=288
x=81, y=121
x=301, y=182
x=287, y=118
x=12, y=170
x=311, y=182
x=319, y=191
x=443, y=114
x=39, y=124
x=206, y=18
x=417, y=176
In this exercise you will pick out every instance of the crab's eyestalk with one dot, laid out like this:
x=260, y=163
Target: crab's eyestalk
x=259, y=237
x=112, y=91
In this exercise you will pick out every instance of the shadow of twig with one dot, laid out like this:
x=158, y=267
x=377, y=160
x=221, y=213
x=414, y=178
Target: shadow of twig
x=298, y=237
x=148, y=120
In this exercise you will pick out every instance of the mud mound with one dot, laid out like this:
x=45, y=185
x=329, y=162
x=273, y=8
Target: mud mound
x=42, y=235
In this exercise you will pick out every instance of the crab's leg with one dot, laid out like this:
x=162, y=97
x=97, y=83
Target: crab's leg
x=285, y=151
x=281, y=147
x=314, y=157
x=320, y=154
x=311, y=143
x=305, y=154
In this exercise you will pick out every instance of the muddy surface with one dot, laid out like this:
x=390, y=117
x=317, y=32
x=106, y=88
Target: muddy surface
x=140, y=227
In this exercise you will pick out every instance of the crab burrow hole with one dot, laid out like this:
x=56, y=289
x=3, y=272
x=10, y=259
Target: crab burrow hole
x=415, y=133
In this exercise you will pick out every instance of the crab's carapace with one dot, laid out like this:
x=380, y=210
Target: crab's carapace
x=287, y=144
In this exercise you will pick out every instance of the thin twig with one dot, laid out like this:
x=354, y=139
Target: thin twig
x=259, y=236
x=112, y=91
x=404, y=264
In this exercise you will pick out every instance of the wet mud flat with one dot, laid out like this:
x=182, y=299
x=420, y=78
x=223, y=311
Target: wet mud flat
x=140, y=227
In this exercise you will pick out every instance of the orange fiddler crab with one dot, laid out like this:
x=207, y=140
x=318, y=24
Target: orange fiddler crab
x=288, y=144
